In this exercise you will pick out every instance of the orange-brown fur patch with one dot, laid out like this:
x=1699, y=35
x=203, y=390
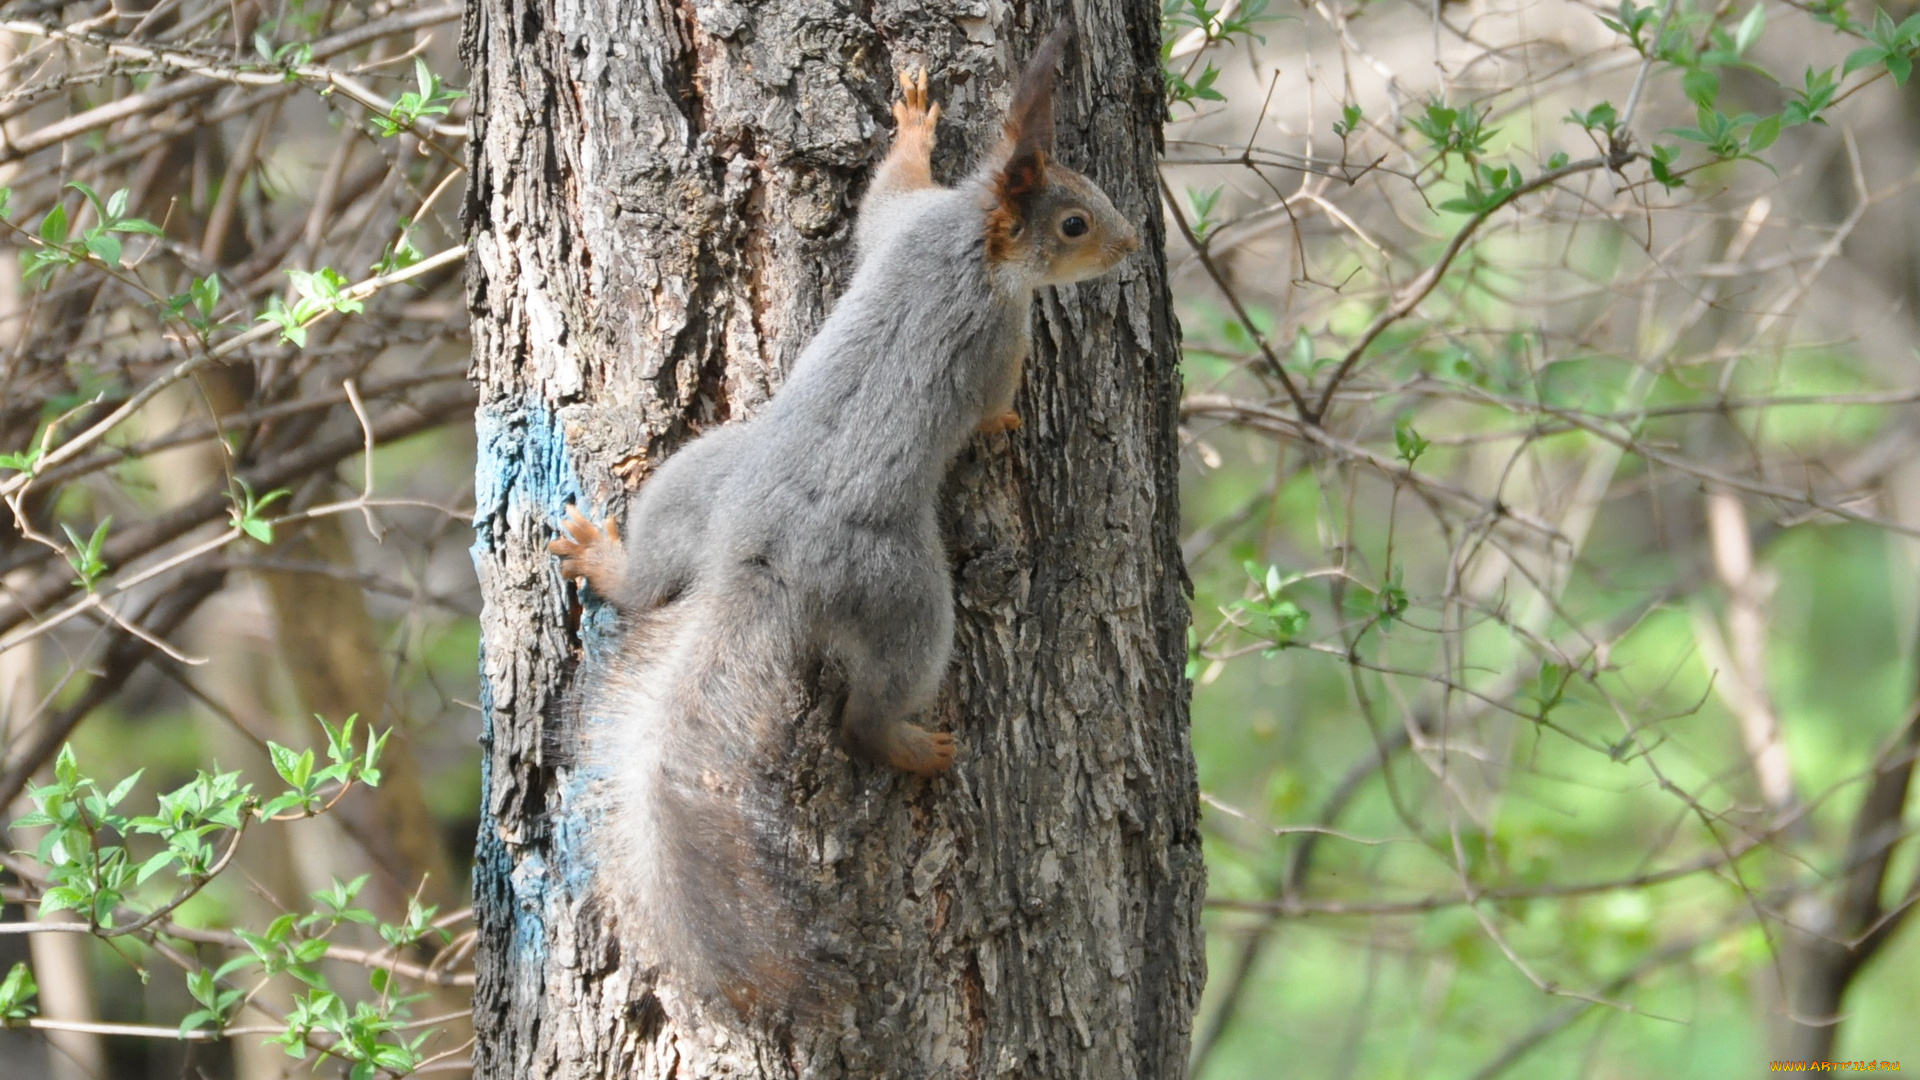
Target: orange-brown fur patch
x=1002, y=224
x=1019, y=181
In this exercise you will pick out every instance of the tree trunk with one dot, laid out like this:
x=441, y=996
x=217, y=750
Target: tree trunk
x=660, y=213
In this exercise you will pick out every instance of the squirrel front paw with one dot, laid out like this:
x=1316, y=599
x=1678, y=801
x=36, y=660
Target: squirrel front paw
x=914, y=115
x=590, y=552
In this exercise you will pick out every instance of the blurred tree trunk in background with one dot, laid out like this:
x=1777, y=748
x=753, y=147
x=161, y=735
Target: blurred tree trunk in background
x=660, y=214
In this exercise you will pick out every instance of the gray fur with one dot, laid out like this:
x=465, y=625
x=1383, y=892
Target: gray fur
x=667, y=526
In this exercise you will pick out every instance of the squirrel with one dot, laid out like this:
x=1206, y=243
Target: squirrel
x=808, y=533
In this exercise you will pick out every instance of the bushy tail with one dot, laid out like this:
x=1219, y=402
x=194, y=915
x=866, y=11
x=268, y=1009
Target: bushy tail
x=685, y=734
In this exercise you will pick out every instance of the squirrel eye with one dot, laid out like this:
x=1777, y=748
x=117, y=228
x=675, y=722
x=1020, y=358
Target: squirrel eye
x=1073, y=226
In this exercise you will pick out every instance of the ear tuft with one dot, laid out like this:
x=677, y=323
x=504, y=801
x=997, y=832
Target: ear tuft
x=1030, y=118
x=1030, y=135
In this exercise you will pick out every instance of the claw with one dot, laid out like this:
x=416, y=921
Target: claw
x=913, y=86
x=922, y=752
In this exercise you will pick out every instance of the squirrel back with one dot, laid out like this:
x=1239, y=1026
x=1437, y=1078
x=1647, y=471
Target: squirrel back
x=808, y=534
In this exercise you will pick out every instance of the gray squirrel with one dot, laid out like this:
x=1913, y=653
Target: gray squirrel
x=808, y=533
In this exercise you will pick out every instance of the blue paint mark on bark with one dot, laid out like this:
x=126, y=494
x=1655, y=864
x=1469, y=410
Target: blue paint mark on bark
x=523, y=479
x=521, y=457
x=569, y=838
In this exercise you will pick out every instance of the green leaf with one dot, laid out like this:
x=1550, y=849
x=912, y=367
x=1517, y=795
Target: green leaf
x=206, y=293
x=1660, y=163
x=1602, y=116
x=26, y=461
x=201, y=984
x=105, y=247
x=285, y=761
x=234, y=965
x=194, y=1019
x=1202, y=203
x=1702, y=86
x=53, y=227
x=292, y=1042
x=154, y=865
x=87, y=190
x=1349, y=121
x=1390, y=602
x=1750, y=29
x=1203, y=86
x=85, y=558
x=135, y=225
x=369, y=775
x=121, y=789
x=1549, y=688
x=306, y=974
x=16, y=993
x=1409, y=443
x=262, y=947
x=1900, y=67
x=1860, y=58
x=1763, y=134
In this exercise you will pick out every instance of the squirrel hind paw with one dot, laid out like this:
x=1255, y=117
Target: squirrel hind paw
x=999, y=422
x=914, y=749
x=582, y=532
x=588, y=550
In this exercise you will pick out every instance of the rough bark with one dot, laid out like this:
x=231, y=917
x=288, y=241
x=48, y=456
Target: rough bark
x=660, y=212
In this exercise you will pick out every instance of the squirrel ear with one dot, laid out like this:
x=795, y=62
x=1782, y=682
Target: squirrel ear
x=1020, y=179
x=1030, y=118
x=1029, y=135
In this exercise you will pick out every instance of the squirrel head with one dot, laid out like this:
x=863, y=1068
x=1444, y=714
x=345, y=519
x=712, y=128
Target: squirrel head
x=1052, y=223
